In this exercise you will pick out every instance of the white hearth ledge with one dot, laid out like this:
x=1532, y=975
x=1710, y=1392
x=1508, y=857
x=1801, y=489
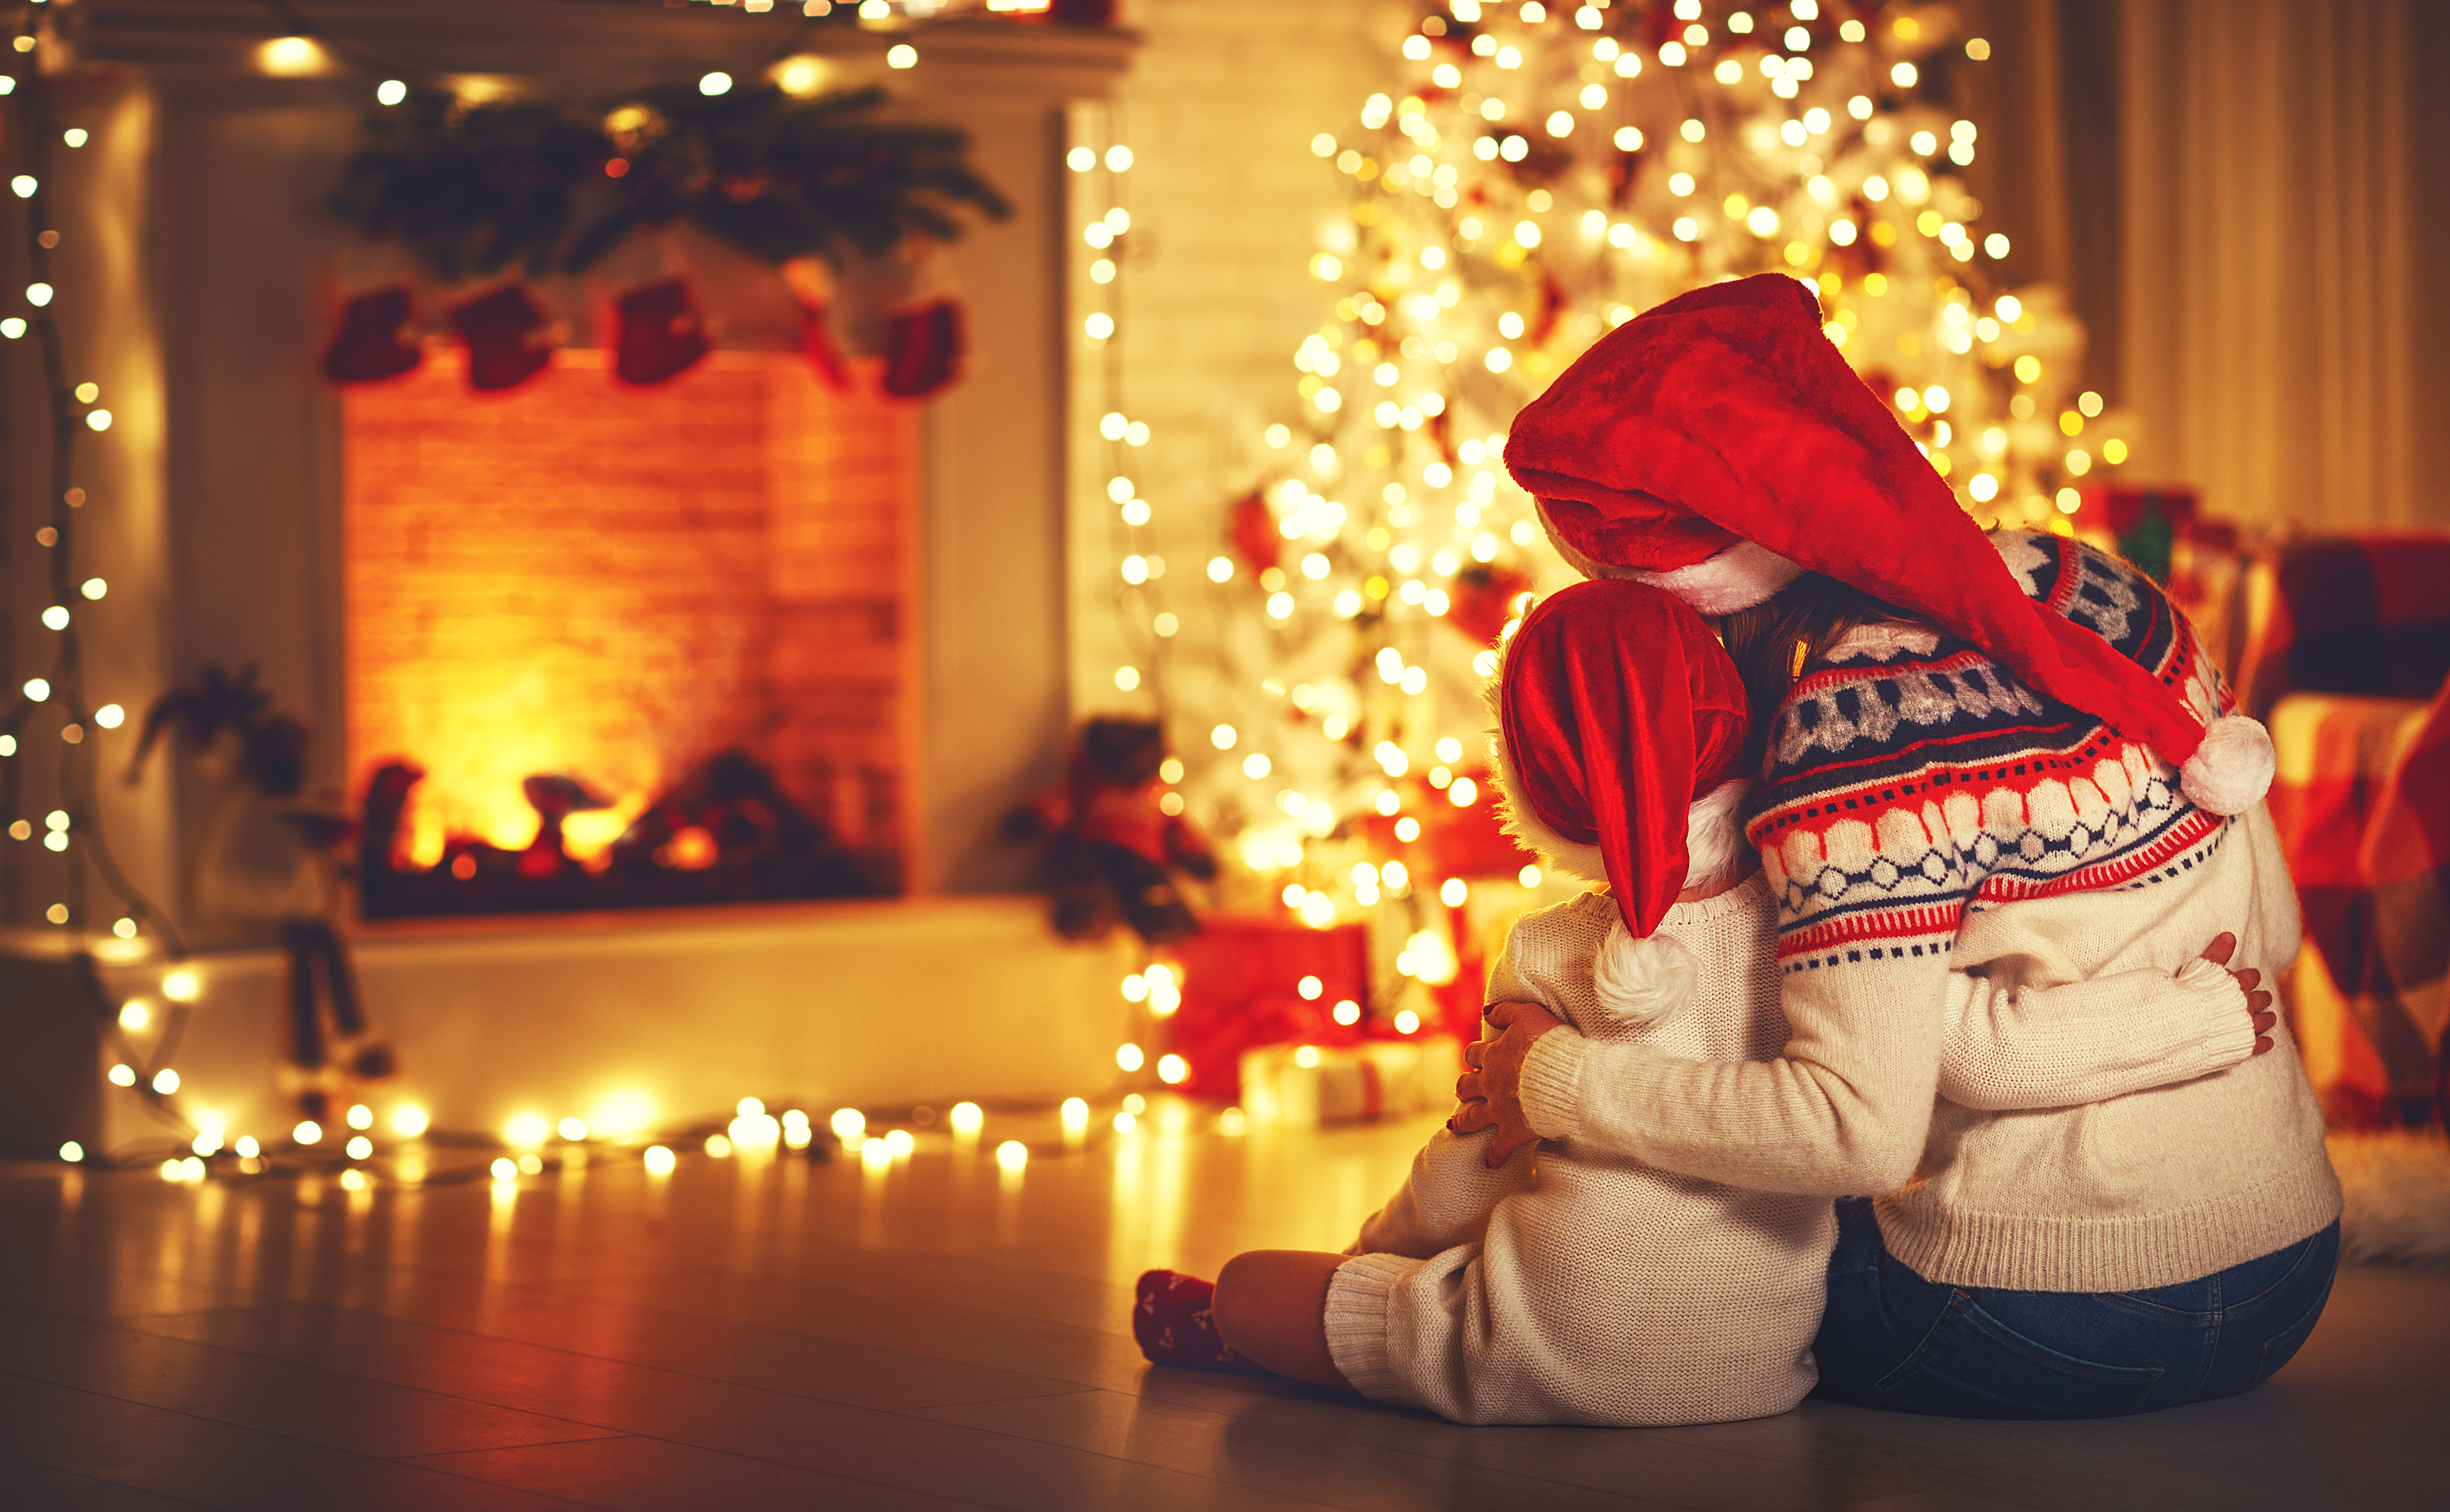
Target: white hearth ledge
x=813, y=1005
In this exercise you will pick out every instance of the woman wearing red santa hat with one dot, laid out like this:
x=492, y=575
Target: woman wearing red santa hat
x=1999, y=755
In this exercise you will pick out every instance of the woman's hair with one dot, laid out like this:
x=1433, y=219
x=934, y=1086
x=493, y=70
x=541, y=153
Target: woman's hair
x=1771, y=642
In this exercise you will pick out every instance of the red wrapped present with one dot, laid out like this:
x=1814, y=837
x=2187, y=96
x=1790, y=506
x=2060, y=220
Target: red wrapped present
x=1241, y=989
x=1455, y=840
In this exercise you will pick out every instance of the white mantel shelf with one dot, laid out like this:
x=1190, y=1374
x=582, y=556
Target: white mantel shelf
x=826, y=1004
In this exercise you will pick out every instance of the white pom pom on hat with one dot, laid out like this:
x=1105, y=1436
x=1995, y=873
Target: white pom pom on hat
x=2231, y=770
x=1642, y=982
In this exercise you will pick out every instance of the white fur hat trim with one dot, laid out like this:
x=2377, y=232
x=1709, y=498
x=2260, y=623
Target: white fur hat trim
x=1642, y=982
x=1715, y=845
x=1738, y=577
x=2231, y=770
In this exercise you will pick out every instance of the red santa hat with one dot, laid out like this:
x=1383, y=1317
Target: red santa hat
x=1617, y=710
x=1718, y=446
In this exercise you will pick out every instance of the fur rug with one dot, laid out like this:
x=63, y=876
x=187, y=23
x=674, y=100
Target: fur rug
x=2398, y=1188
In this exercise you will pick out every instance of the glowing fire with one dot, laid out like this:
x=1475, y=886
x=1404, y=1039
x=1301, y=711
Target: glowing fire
x=609, y=584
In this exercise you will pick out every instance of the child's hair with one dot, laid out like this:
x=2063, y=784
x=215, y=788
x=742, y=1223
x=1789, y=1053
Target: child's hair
x=1771, y=642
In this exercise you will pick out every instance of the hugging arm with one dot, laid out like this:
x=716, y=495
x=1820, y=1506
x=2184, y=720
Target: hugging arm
x=2089, y=1042
x=1452, y=1188
x=1845, y=1110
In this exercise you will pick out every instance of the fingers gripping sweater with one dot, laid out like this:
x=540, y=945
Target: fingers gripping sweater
x=1925, y=813
x=1598, y=1289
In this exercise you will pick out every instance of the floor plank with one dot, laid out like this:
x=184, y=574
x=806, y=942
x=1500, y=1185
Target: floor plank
x=650, y=1475
x=949, y=1460
x=340, y=1410
x=932, y=1335
x=103, y=1497
x=214, y=1464
x=1288, y=1451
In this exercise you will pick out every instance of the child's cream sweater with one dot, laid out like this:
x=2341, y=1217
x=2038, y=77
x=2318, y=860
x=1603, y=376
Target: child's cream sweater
x=1578, y=1286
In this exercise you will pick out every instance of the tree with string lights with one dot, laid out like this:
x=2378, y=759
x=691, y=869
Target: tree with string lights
x=1533, y=178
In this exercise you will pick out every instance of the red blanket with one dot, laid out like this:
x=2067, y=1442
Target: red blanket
x=2362, y=806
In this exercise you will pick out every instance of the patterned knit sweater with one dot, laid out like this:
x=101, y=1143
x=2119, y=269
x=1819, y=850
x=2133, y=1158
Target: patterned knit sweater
x=1925, y=811
x=1910, y=777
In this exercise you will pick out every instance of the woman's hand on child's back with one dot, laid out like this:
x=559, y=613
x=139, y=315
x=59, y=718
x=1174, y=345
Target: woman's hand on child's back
x=2257, y=1003
x=1491, y=1091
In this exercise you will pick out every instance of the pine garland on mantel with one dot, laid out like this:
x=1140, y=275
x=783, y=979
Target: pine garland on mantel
x=519, y=189
x=472, y=190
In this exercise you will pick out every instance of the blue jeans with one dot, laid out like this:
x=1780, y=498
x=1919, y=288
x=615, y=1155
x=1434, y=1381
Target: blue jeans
x=1892, y=1338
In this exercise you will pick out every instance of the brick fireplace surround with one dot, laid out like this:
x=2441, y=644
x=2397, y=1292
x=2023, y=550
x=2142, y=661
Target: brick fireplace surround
x=614, y=582
x=234, y=486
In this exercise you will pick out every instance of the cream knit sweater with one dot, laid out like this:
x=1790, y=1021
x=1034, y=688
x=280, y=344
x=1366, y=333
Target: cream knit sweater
x=2116, y=1196
x=1576, y=1286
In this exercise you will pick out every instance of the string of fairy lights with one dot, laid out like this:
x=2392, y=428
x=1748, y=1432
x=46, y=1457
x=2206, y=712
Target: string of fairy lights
x=53, y=701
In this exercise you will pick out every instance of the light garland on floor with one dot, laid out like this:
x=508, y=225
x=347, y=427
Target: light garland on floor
x=398, y=1144
x=530, y=1145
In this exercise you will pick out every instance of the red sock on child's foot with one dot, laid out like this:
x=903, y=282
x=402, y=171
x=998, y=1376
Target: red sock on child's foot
x=1172, y=1322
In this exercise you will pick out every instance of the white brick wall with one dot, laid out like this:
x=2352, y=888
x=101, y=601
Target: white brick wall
x=1226, y=200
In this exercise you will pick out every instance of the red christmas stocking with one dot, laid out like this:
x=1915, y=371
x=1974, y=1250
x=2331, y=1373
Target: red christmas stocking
x=817, y=340
x=370, y=343
x=924, y=349
x=1172, y=1322
x=661, y=335
x=504, y=332
x=812, y=284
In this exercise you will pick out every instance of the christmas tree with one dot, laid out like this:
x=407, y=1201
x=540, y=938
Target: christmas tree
x=1534, y=177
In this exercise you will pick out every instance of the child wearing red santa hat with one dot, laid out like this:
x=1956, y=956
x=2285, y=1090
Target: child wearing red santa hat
x=2003, y=756
x=1596, y=1290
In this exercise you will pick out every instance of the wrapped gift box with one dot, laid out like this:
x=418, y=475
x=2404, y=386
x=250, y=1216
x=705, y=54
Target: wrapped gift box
x=1241, y=988
x=1303, y=1086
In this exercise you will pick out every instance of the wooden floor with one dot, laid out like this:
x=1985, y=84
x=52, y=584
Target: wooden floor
x=747, y=1334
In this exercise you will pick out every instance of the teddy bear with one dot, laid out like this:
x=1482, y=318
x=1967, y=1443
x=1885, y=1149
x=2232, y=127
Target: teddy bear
x=1110, y=845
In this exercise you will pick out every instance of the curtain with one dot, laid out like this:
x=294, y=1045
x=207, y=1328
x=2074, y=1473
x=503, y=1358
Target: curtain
x=2275, y=309
x=2240, y=197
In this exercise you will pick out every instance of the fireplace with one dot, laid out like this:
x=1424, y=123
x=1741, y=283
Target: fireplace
x=235, y=472
x=867, y=601
x=612, y=646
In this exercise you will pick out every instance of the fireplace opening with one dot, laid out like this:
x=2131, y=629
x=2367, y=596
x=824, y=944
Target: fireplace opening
x=611, y=647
